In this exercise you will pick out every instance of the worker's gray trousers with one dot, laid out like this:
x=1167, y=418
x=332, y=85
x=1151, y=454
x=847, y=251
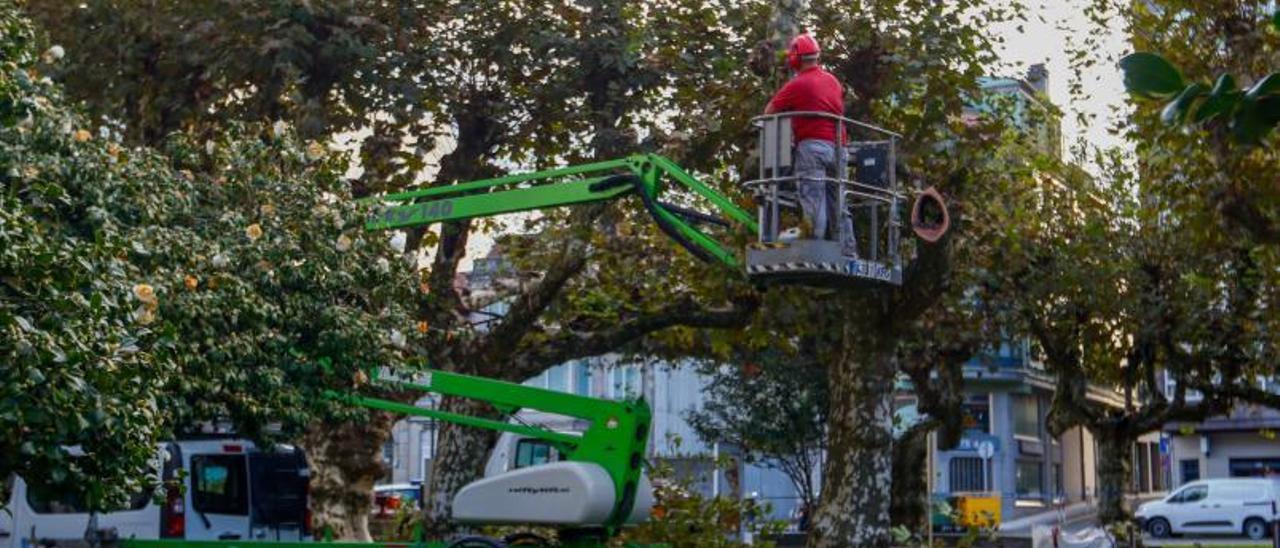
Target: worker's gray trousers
x=815, y=161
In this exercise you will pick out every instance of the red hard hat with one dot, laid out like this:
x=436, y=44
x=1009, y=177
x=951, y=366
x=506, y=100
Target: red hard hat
x=801, y=46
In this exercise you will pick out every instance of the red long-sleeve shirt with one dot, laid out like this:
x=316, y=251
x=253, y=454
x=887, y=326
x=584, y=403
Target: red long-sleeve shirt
x=813, y=90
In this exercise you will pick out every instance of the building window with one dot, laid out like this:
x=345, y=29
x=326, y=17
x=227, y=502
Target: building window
x=582, y=379
x=389, y=453
x=1057, y=481
x=1026, y=416
x=977, y=413
x=966, y=474
x=1157, y=471
x=1142, y=475
x=1255, y=468
x=1029, y=479
x=557, y=378
x=1190, y=469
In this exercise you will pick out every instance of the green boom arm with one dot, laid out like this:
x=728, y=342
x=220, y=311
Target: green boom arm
x=618, y=431
x=615, y=437
x=643, y=174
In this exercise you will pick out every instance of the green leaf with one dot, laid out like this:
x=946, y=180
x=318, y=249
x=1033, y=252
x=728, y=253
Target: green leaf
x=1269, y=110
x=1150, y=75
x=1275, y=20
x=1176, y=111
x=1249, y=125
x=1221, y=99
x=1266, y=86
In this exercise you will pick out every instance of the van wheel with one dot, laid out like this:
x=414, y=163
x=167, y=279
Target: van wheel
x=1255, y=528
x=1159, y=527
x=477, y=542
x=525, y=539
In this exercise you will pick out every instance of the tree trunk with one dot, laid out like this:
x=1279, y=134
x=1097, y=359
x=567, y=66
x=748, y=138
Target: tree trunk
x=346, y=460
x=461, y=454
x=1114, y=458
x=855, y=498
x=909, y=501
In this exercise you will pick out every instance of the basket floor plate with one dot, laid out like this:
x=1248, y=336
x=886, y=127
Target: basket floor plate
x=803, y=261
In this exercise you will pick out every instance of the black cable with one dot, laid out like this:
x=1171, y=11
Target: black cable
x=652, y=206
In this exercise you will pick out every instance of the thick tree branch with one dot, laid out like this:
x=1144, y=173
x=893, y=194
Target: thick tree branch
x=1241, y=210
x=527, y=307
x=924, y=280
x=533, y=357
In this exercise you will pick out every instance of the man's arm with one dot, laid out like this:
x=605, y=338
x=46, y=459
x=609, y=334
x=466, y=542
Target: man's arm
x=782, y=101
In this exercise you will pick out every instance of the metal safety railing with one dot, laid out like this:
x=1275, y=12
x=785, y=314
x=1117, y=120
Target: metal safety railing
x=868, y=198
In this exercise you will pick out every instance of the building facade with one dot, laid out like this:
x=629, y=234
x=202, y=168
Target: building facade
x=1006, y=449
x=1242, y=443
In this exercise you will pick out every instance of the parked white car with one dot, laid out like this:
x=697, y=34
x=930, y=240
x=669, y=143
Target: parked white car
x=233, y=491
x=1237, y=505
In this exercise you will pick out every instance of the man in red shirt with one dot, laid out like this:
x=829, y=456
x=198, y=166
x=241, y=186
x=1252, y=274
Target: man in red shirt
x=813, y=89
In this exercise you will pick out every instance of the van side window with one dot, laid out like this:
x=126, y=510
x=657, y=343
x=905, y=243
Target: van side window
x=1191, y=494
x=218, y=484
x=532, y=453
x=47, y=501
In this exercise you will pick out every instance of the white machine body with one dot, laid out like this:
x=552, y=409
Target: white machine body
x=556, y=493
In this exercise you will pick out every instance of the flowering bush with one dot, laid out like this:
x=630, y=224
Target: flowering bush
x=78, y=374
x=143, y=293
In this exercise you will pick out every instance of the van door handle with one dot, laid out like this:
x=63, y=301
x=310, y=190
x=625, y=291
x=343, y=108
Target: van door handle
x=229, y=536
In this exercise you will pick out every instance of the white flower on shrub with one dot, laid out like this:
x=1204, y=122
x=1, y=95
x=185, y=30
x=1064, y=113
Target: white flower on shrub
x=53, y=54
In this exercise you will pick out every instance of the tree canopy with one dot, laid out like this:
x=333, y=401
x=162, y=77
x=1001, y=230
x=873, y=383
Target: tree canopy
x=154, y=291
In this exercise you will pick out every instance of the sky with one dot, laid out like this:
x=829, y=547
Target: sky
x=1046, y=41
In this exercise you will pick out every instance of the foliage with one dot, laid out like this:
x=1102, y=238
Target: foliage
x=1204, y=151
x=683, y=517
x=76, y=309
x=1250, y=113
x=225, y=280
x=175, y=65
x=271, y=290
x=774, y=409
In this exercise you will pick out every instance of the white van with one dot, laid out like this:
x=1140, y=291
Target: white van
x=1236, y=506
x=233, y=491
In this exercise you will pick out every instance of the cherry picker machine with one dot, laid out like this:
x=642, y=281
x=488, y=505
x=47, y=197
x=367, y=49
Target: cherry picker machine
x=599, y=484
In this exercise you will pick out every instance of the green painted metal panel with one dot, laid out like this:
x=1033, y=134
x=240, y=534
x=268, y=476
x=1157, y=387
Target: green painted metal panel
x=510, y=194
x=545, y=175
x=484, y=205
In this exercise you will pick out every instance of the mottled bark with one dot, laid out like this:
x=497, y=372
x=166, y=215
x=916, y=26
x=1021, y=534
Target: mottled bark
x=856, y=479
x=1114, y=458
x=460, y=458
x=909, y=498
x=346, y=460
